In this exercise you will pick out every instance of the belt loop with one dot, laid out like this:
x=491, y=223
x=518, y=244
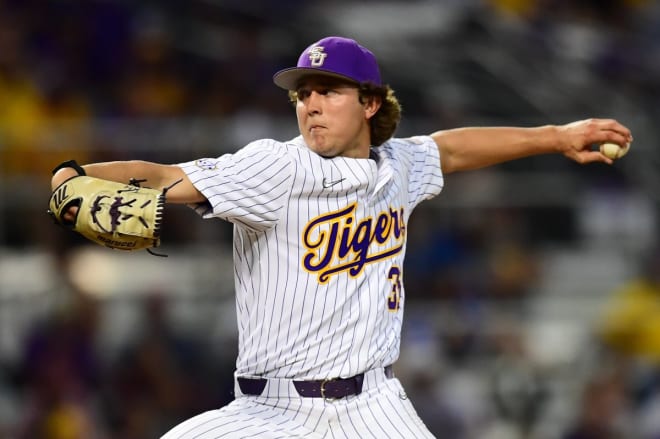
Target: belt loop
x=252, y=386
x=359, y=381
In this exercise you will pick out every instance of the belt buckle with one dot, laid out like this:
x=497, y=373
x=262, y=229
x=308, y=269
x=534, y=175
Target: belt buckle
x=323, y=383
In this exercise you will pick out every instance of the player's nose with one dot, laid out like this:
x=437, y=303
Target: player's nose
x=314, y=103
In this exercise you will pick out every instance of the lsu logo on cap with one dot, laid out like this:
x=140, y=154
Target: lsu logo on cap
x=317, y=56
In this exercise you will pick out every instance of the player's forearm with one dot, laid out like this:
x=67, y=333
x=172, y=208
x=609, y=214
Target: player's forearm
x=121, y=172
x=471, y=148
x=477, y=147
x=154, y=175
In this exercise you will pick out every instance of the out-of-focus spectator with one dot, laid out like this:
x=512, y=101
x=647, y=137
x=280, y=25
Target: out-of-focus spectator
x=519, y=392
x=629, y=330
x=158, y=379
x=603, y=409
x=511, y=261
x=60, y=374
x=630, y=323
x=43, y=118
x=152, y=84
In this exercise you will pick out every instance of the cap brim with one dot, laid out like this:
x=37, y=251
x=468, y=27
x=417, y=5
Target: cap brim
x=288, y=79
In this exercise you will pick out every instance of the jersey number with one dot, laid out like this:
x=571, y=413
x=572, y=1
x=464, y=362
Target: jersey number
x=394, y=299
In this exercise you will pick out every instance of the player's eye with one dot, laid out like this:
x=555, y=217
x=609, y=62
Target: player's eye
x=302, y=94
x=327, y=91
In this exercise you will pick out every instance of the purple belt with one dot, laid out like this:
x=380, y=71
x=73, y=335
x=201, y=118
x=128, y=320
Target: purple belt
x=330, y=388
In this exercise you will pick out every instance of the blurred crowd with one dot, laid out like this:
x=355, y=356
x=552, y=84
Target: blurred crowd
x=68, y=68
x=66, y=64
x=70, y=386
x=170, y=81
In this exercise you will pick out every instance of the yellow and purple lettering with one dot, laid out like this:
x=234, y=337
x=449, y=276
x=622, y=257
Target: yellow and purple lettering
x=337, y=242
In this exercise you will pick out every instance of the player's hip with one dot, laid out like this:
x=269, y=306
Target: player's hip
x=380, y=410
x=327, y=388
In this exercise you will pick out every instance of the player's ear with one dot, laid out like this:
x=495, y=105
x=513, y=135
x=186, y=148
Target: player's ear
x=371, y=106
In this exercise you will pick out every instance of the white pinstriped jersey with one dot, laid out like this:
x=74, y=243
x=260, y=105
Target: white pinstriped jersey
x=318, y=250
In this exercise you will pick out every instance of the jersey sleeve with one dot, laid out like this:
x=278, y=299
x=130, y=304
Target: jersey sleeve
x=248, y=187
x=425, y=179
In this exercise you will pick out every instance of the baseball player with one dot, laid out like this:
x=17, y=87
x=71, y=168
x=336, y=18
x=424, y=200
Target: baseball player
x=319, y=242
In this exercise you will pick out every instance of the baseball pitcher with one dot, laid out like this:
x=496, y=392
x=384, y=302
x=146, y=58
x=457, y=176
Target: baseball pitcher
x=320, y=224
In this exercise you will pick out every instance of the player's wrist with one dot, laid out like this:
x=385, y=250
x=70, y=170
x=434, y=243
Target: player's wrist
x=61, y=175
x=72, y=164
x=553, y=139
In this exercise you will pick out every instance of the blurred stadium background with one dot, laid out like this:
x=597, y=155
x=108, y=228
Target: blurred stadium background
x=532, y=287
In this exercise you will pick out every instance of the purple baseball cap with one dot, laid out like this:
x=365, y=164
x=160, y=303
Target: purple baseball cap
x=332, y=56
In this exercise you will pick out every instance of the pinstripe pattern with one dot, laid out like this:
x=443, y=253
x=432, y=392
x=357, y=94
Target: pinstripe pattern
x=381, y=411
x=318, y=250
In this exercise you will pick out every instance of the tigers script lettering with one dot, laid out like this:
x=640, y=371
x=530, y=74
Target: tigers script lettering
x=337, y=242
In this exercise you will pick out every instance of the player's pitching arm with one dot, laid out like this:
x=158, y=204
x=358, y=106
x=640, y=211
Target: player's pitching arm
x=477, y=147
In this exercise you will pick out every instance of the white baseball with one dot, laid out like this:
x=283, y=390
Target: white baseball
x=614, y=151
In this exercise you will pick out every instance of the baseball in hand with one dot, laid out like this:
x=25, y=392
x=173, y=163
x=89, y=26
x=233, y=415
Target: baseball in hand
x=614, y=151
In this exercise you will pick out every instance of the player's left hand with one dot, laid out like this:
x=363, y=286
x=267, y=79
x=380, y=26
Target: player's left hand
x=116, y=215
x=578, y=139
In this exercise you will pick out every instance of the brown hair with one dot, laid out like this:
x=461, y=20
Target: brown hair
x=383, y=124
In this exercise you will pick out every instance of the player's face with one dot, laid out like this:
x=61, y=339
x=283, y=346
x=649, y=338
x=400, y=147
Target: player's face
x=331, y=118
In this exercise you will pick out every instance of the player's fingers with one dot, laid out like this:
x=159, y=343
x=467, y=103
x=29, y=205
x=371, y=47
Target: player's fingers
x=583, y=135
x=70, y=214
x=615, y=131
x=585, y=156
x=593, y=156
x=596, y=132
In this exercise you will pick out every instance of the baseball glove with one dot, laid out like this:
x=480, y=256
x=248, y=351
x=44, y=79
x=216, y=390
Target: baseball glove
x=116, y=215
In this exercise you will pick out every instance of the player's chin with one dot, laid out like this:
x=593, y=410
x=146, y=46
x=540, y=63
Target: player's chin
x=322, y=150
x=328, y=155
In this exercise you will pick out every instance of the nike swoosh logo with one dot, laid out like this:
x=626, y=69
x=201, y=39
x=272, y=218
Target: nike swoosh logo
x=328, y=184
